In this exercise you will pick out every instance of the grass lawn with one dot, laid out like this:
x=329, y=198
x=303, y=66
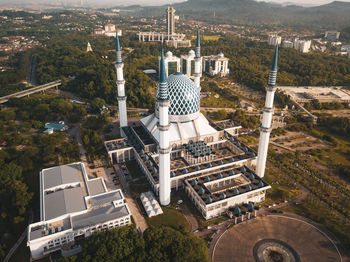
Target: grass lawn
x=219, y=102
x=171, y=217
x=211, y=37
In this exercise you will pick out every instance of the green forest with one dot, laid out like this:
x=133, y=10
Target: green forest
x=157, y=244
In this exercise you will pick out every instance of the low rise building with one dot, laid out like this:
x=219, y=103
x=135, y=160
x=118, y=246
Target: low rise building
x=72, y=207
x=215, y=65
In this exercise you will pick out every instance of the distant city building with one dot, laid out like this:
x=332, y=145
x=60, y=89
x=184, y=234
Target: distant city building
x=287, y=43
x=345, y=48
x=171, y=38
x=73, y=207
x=302, y=45
x=88, y=47
x=274, y=40
x=332, y=35
x=216, y=65
x=170, y=18
x=172, y=63
x=109, y=31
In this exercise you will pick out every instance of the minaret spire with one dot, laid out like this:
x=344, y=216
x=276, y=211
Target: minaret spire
x=118, y=50
x=197, y=63
x=265, y=128
x=121, y=88
x=164, y=148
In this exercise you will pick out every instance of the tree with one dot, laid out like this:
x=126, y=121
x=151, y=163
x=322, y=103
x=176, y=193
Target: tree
x=167, y=244
x=122, y=244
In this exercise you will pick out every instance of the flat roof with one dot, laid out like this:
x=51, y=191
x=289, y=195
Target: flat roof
x=63, y=202
x=100, y=200
x=99, y=215
x=61, y=175
x=96, y=187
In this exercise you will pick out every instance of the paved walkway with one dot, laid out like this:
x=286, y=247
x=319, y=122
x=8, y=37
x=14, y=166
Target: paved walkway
x=310, y=243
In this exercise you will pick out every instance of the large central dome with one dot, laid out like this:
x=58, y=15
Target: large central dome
x=183, y=97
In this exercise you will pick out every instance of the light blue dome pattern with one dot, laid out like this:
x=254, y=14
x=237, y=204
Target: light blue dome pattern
x=183, y=97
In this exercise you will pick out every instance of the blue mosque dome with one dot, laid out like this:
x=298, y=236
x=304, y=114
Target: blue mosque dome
x=183, y=97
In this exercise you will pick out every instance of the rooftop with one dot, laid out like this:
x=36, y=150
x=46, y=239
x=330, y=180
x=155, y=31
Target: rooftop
x=224, y=184
x=99, y=215
x=63, y=202
x=61, y=175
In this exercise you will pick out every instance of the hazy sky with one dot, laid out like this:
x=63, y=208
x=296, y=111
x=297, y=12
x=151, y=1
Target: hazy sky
x=158, y=2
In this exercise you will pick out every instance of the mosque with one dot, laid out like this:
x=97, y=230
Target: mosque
x=177, y=147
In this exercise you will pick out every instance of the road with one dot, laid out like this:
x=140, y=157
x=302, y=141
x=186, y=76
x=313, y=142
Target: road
x=20, y=239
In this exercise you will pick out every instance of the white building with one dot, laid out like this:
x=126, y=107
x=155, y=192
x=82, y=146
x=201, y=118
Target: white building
x=72, y=207
x=215, y=65
x=287, y=43
x=109, y=30
x=274, y=40
x=177, y=145
x=188, y=63
x=172, y=63
x=170, y=37
x=302, y=45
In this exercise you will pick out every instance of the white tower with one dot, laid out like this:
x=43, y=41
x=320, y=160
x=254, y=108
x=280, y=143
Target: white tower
x=197, y=64
x=265, y=128
x=123, y=120
x=164, y=149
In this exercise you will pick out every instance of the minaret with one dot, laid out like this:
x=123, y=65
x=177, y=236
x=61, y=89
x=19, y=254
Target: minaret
x=123, y=120
x=265, y=128
x=164, y=149
x=197, y=64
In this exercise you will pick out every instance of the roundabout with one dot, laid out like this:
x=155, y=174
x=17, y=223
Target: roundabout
x=275, y=239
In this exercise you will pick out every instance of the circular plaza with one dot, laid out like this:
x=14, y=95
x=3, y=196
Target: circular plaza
x=275, y=239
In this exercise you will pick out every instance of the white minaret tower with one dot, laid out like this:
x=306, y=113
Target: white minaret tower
x=164, y=149
x=197, y=63
x=123, y=120
x=265, y=128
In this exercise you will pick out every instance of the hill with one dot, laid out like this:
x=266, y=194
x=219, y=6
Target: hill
x=334, y=15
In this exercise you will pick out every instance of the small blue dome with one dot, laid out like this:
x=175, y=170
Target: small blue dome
x=231, y=172
x=260, y=184
x=219, y=175
x=201, y=191
x=209, y=200
x=235, y=191
x=243, y=169
x=172, y=174
x=222, y=196
x=194, y=182
x=207, y=179
x=237, y=211
x=251, y=207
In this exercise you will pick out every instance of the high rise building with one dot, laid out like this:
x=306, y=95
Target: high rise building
x=170, y=21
